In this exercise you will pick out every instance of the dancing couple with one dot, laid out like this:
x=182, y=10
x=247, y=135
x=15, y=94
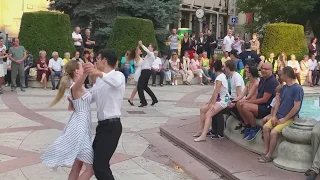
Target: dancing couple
x=74, y=147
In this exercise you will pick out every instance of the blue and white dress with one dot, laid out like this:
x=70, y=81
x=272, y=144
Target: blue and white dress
x=75, y=141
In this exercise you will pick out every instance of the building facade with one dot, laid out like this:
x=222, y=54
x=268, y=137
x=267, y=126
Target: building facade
x=11, y=12
x=216, y=18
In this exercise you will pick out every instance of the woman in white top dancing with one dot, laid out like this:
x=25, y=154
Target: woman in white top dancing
x=135, y=54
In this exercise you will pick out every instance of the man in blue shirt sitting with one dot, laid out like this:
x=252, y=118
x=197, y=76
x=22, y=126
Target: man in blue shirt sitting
x=291, y=98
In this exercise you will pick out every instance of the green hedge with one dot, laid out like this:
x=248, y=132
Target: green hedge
x=127, y=31
x=283, y=37
x=49, y=31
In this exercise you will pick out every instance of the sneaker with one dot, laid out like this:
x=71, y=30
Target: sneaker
x=23, y=90
x=13, y=89
x=312, y=175
x=215, y=137
x=172, y=84
x=253, y=133
x=7, y=84
x=210, y=133
x=154, y=85
x=176, y=82
x=246, y=133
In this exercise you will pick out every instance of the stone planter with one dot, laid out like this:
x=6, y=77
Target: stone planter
x=295, y=152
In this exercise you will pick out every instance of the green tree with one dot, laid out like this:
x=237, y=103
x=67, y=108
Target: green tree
x=274, y=11
x=53, y=35
x=102, y=14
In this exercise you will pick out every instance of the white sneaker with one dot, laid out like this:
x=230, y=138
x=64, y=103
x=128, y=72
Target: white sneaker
x=7, y=85
x=176, y=82
x=172, y=84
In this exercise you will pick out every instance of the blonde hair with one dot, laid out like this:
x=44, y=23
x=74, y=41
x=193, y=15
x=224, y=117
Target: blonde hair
x=67, y=54
x=55, y=53
x=293, y=57
x=42, y=51
x=69, y=70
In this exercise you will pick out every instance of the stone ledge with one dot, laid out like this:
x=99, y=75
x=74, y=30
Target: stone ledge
x=256, y=145
x=225, y=157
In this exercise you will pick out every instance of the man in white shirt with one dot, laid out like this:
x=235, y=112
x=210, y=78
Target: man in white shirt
x=145, y=75
x=108, y=92
x=314, y=70
x=55, y=67
x=227, y=42
x=77, y=40
x=156, y=69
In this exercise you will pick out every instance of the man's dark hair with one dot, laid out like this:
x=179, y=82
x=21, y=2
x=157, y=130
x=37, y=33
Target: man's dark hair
x=153, y=46
x=234, y=52
x=14, y=39
x=86, y=52
x=247, y=45
x=289, y=72
x=110, y=56
x=1, y=38
x=217, y=65
x=253, y=70
x=230, y=65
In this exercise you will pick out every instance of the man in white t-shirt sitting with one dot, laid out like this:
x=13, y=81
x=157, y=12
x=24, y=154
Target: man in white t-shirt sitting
x=156, y=69
x=237, y=86
x=77, y=40
x=55, y=66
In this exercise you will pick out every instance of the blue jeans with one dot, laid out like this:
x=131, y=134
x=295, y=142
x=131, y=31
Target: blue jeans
x=212, y=75
x=126, y=72
x=204, y=79
x=53, y=77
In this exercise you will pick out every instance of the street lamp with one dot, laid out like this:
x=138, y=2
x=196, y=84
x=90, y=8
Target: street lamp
x=226, y=19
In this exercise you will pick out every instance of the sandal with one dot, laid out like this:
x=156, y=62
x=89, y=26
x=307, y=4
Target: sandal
x=197, y=135
x=262, y=156
x=265, y=159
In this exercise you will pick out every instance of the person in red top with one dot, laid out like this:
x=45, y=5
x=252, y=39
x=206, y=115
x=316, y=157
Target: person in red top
x=42, y=69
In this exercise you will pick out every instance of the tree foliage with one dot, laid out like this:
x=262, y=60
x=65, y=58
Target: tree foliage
x=274, y=11
x=102, y=13
x=53, y=35
x=127, y=31
x=283, y=37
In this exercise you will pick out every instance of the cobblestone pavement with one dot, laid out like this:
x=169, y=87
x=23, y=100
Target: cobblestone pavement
x=28, y=126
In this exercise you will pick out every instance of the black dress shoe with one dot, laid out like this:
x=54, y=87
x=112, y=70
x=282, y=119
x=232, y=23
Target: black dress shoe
x=143, y=105
x=131, y=103
x=154, y=102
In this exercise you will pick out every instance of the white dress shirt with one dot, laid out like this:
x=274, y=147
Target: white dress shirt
x=76, y=36
x=313, y=65
x=108, y=94
x=156, y=63
x=56, y=65
x=148, y=60
x=227, y=42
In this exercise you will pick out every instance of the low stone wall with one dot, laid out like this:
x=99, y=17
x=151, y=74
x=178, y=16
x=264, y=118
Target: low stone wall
x=256, y=145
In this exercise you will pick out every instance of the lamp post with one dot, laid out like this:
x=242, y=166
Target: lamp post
x=226, y=19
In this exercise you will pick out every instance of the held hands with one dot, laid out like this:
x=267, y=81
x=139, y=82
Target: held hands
x=274, y=121
x=90, y=69
x=140, y=43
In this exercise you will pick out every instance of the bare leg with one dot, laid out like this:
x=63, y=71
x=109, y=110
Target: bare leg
x=75, y=170
x=273, y=142
x=250, y=111
x=1, y=81
x=45, y=82
x=88, y=173
x=203, y=111
x=266, y=136
x=240, y=110
x=43, y=77
x=208, y=119
x=134, y=92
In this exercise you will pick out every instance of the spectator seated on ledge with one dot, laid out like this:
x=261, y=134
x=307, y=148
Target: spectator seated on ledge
x=196, y=68
x=156, y=69
x=259, y=107
x=291, y=98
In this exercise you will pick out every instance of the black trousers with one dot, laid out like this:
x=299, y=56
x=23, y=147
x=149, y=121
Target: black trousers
x=80, y=50
x=8, y=77
x=210, y=52
x=315, y=77
x=218, y=123
x=104, y=145
x=143, y=86
x=154, y=75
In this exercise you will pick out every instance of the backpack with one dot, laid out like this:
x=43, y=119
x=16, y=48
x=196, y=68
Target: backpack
x=251, y=61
